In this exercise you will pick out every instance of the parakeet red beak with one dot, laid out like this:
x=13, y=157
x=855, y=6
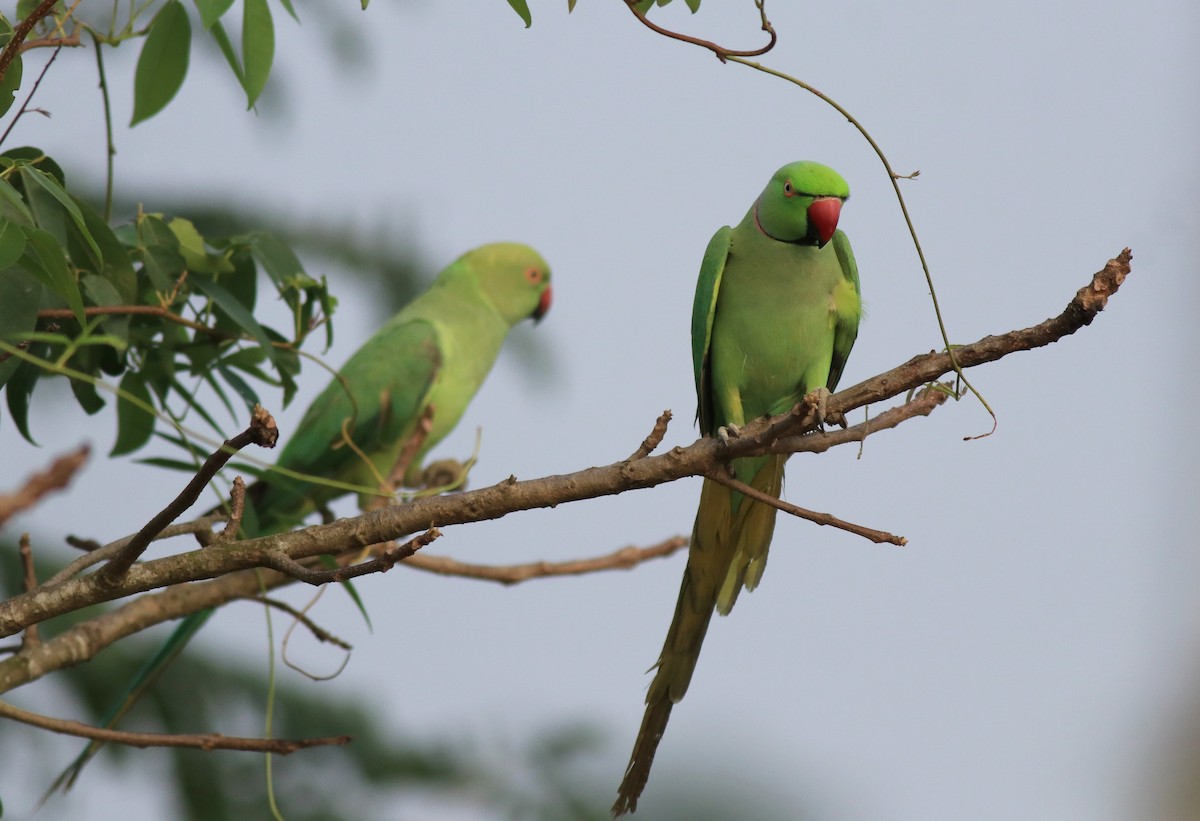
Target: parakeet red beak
x=543, y=305
x=823, y=217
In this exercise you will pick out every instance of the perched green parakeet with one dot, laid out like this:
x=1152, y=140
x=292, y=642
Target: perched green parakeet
x=775, y=315
x=430, y=358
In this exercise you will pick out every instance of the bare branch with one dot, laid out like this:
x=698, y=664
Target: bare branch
x=509, y=574
x=204, y=741
x=381, y=564
x=262, y=432
x=96, y=553
x=777, y=434
x=55, y=477
x=319, y=633
x=719, y=476
x=31, y=638
x=654, y=439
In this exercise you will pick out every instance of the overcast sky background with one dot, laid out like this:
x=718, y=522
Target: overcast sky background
x=1026, y=656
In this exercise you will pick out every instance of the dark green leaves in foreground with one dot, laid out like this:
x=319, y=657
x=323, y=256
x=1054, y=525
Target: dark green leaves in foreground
x=153, y=309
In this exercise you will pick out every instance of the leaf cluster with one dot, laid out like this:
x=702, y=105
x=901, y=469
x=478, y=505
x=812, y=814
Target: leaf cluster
x=151, y=304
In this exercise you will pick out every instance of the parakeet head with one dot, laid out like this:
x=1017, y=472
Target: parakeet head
x=801, y=203
x=514, y=278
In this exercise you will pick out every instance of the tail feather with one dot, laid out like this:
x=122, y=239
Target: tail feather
x=708, y=563
x=752, y=528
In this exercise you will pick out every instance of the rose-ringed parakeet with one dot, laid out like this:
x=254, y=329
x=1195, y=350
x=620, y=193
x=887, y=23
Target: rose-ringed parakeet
x=775, y=315
x=427, y=361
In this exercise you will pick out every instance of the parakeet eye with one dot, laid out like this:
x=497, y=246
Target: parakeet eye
x=534, y=275
x=788, y=189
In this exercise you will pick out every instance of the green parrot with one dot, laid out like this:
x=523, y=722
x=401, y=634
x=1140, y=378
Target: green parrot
x=430, y=358
x=775, y=315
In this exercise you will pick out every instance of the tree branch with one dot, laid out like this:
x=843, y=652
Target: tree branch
x=623, y=559
x=55, y=477
x=720, y=51
x=13, y=46
x=203, y=741
x=262, y=432
x=775, y=434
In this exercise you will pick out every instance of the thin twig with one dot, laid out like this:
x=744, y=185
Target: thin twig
x=719, y=476
x=509, y=574
x=97, y=553
x=654, y=439
x=318, y=632
x=283, y=563
x=13, y=46
x=24, y=109
x=721, y=52
x=55, y=477
x=201, y=741
x=68, y=41
x=110, y=147
x=262, y=432
x=31, y=638
x=158, y=311
x=237, y=508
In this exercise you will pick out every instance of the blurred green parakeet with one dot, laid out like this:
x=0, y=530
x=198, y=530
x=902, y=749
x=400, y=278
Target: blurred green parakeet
x=430, y=358
x=775, y=315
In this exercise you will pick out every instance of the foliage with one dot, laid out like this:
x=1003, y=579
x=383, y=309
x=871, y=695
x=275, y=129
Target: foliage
x=151, y=309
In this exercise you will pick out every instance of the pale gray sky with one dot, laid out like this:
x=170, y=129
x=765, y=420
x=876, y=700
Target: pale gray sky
x=1023, y=657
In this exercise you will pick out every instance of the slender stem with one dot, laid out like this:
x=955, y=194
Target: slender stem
x=110, y=149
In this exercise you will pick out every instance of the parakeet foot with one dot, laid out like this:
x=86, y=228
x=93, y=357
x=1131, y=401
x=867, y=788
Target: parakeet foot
x=818, y=400
x=444, y=474
x=727, y=432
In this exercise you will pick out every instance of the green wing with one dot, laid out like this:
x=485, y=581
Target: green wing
x=377, y=399
x=703, y=310
x=846, y=331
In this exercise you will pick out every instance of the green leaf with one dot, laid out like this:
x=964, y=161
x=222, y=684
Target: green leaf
x=287, y=4
x=278, y=260
x=160, y=253
x=12, y=242
x=643, y=5
x=240, y=385
x=44, y=259
x=52, y=186
x=570, y=6
x=86, y=361
x=20, y=294
x=12, y=77
x=163, y=63
x=226, y=46
x=522, y=9
x=694, y=5
x=195, y=253
x=228, y=303
x=103, y=293
x=134, y=425
x=12, y=207
x=117, y=267
x=20, y=389
x=211, y=10
x=258, y=47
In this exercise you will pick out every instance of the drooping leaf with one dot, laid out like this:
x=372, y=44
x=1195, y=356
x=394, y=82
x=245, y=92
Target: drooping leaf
x=20, y=388
x=118, y=269
x=134, y=424
x=258, y=47
x=12, y=206
x=12, y=242
x=195, y=253
x=36, y=178
x=570, y=6
x=240, y=385
x=694, y=5
x=86, y=361
x=330, y=563
x=522, y=9
x=102, y=292
x=211, y=10
x=236, y=310
x=287, y=4
x=226, y=46
x=44, y=259
x=20, y=294
x=163, y=63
